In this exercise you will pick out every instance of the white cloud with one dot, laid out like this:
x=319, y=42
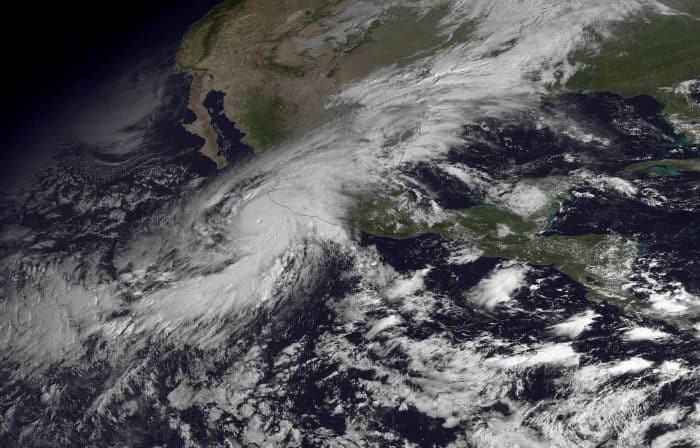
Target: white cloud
x=645, y=333
x=575, y=325
x=632, y=365
x=499, y=286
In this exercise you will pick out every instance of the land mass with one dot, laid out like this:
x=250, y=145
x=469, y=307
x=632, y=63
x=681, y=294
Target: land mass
x=654, y=55
x=278, y=62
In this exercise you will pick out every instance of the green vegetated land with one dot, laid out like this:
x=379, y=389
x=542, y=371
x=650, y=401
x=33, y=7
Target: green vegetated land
x=593, y=260
x=263, y=115
x=649, y=55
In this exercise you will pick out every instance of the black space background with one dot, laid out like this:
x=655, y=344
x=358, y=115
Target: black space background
x=44, y=44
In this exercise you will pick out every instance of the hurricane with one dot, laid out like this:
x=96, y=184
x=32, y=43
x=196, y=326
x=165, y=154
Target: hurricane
x=362, y=223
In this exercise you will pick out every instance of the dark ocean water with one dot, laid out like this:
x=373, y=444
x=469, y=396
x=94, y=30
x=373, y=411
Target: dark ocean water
x=307, y=370
x=127, y=86
x=52, y=44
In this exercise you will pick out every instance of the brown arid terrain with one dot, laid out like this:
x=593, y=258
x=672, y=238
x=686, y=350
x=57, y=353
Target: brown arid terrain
x=279, y=61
